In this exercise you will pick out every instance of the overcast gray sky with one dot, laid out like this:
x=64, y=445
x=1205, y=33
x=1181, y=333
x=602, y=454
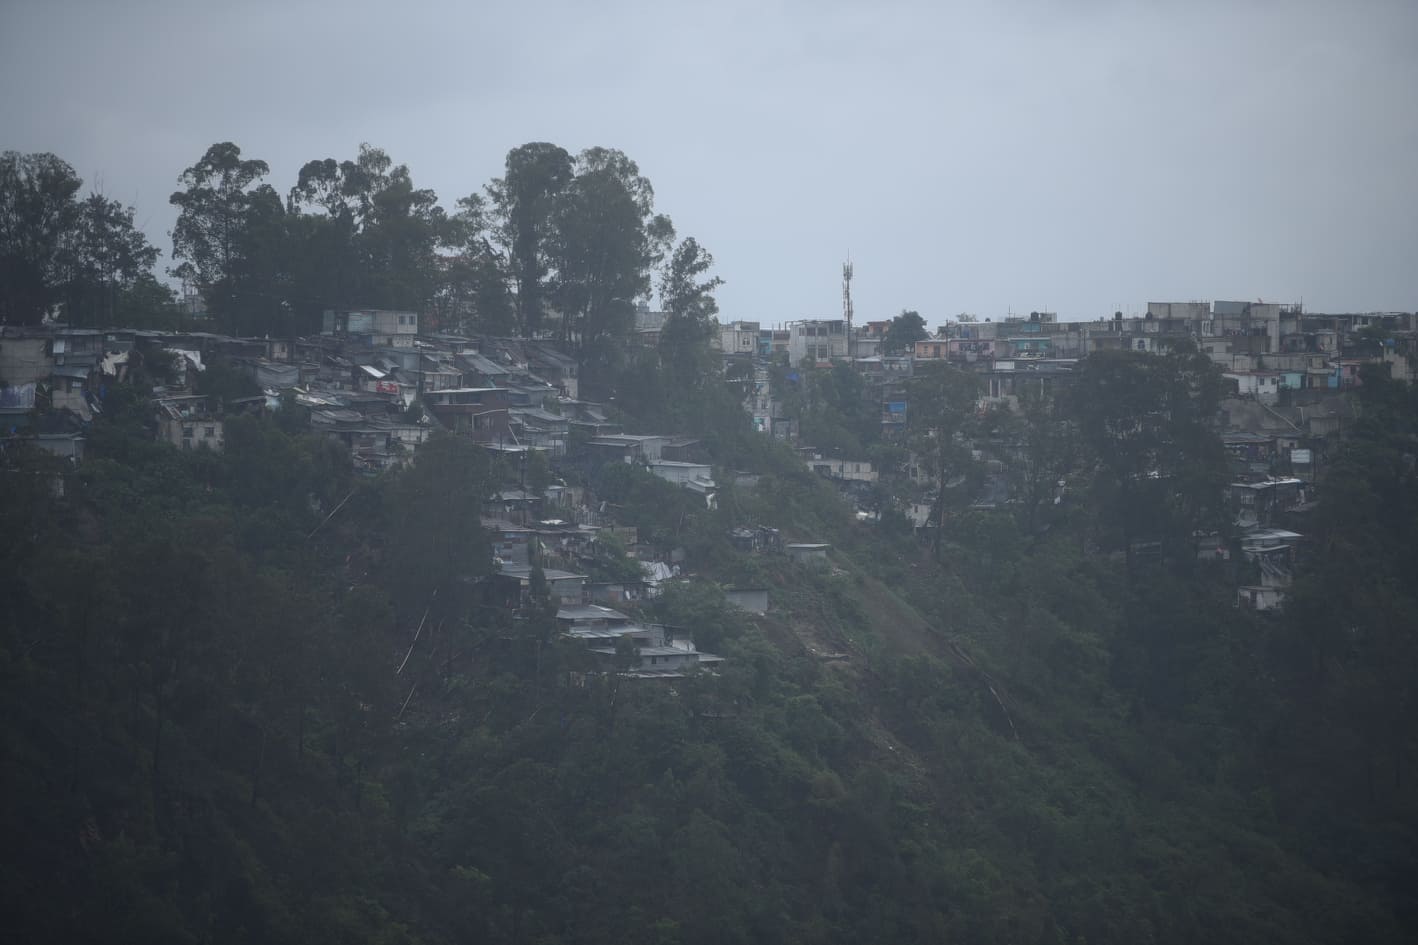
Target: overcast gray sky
x=1079, y=156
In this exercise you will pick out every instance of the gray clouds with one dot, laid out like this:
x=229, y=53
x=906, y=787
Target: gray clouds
x=970, y=157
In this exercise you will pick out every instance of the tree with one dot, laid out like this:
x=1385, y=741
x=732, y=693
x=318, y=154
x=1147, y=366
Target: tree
x=690, y=308
x=260, y=286
x=398, y=245
x=1145, y=420
x=436, y=547
x=1349, y=638
x=1043, y=454
x=212, y=219
x=537, y=473
x=834, y=411
x=375, y=236
x=104, y=258
x=328, y=266
x=148, y=303
x=902, y=334
x=607, y=239
x=942, y=412
x=474, y=283
x=524, y=202
x=37, y=211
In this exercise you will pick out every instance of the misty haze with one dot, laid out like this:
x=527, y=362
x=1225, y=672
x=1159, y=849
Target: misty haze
x=700, y=474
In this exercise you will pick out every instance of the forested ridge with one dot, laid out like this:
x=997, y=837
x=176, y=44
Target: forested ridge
x=251, y=696
x=216, y=729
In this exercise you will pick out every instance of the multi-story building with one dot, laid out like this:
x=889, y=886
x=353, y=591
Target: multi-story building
x=382, y=327
x=817, y=340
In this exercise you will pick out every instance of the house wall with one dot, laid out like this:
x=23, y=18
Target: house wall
x=395, y=323
x=967, y=349
x=1263, y=387
x=739, y=338
x=856, y=470
x=187, y=433
x=1260, y=598
x=669, y=661
x=67, y=393
x=681, y=473
x=752, y=599
x=817, y=340
x=809, y=556
x=24, y=360
x=567, y=590
x=63, y=445
x=933, y=349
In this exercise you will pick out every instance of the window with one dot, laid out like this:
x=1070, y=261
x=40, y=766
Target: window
x=209, y=432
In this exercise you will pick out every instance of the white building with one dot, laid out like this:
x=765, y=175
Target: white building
x=817, y=339
x=739, y=338
x=855, y=470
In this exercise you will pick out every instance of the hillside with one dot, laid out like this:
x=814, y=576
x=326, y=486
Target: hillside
x=251, y=697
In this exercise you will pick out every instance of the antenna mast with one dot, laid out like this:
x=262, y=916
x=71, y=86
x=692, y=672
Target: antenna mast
x=847, y=306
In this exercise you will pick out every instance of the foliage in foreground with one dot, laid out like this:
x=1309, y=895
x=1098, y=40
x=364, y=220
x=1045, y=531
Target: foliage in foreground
x=231, y=716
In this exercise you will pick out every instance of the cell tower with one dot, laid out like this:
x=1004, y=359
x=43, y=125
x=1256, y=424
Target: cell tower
x=847, y=306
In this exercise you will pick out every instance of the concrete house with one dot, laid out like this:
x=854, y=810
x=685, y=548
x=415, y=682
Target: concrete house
x=560, y=370
x=753, y=600
x=817, y=339
x=847, y=469
x=655, y=651
x=610, y=593
x=69, y=388
x=382, y=327
x=187, y=422
x=809, y=554
x=582, y=617
x=1259, y=503
x=684, y=474
x=509, y=542
x=24, y=356
x=1262, y=385
x=1260, y=597
x=739, y=338
x=540, y=429
x=513, y=585
x=477, y=412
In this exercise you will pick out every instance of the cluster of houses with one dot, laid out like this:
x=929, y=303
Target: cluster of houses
x=374, y=382
x=1273, y=354
x=1288, y=371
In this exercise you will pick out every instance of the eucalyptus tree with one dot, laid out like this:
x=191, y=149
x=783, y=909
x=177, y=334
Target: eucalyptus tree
x=606, y=242
x=690, y=309
x=942, y=415
x=375, y=240
x=104, y=259
x=473, y=289
x=221, y=194
x=37, y=211
x=523, y=205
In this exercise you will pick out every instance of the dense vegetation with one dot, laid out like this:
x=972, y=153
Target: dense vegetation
x=561, y=244
x=248, y=697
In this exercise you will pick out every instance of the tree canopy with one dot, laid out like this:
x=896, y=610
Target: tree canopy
x=903, y=332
